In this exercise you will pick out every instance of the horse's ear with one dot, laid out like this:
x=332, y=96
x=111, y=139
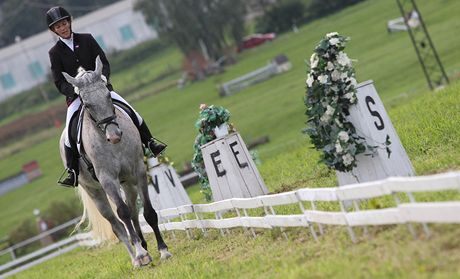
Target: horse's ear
x=98, y=69
x=69, y=78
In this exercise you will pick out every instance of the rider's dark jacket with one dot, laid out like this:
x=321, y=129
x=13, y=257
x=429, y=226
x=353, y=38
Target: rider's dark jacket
x=63, y=59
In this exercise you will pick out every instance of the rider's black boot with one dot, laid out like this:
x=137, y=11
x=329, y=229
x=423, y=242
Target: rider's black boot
x=157, y=147
x=72, y=169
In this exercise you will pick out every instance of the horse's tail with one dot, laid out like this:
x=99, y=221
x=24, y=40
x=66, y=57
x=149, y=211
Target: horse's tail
x=100, y=228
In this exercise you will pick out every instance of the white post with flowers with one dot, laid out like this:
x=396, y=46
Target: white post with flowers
x=371, y=122
x=347, y=121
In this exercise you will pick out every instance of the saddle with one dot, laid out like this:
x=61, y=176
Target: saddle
x=75, y=135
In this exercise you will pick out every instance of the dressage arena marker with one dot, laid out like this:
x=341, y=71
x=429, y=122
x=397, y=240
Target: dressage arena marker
x=166, y=190
x=372, y=123
x=231, y=170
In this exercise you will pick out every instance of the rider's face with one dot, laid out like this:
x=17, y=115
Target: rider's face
x=62, y=28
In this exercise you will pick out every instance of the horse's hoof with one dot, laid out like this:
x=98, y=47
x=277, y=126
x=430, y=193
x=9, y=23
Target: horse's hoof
x=146, y=259
x=164, y=254
x=142, y=260
x=136, y=263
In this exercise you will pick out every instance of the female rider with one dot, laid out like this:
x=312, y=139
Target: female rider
x=71, y=51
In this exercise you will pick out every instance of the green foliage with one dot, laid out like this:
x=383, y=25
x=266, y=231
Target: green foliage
x=23, y=231
x=210, y=117
x=57, y=213
x=120, y=61
x=321, y=8
x=191, y=23
x=331, y=91
x=26, y=100
x=60, y=212
x=280, y=18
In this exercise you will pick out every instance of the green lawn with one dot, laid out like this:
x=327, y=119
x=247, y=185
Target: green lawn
x=426, y=122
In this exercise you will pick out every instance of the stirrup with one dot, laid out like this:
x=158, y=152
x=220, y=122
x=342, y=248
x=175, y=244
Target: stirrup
x=158, y=148
x=68, y=181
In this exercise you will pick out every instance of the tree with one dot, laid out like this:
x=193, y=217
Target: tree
x=192, y=24
x=281, y=17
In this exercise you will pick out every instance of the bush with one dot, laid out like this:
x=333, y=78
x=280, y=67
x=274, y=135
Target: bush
x=60, y=212
x=281, y=18
x=57, y=213
x=23, y=231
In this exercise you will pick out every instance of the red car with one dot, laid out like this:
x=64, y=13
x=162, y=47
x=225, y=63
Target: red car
x=255, y=40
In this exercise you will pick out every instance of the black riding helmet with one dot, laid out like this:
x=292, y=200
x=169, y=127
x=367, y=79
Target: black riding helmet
x=56, y=14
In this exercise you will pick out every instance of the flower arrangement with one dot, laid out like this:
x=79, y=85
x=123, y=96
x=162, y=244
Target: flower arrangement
x=209, y=118
x=331, y=90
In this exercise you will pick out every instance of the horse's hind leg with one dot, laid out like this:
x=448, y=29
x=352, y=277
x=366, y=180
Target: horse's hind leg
x=131, y=197
x=152, y=218
x=112, y=189
x=102, y=203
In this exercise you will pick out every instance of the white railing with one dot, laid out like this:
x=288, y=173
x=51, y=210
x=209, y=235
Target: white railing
x=349, y=198
x=46, y=253
x=195, y=216
x=26, y=242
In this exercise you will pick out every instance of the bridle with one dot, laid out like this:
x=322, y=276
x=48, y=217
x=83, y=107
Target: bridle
x=103, y=123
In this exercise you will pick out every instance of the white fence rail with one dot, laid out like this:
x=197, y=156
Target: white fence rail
x=44, y=254
x=345, y=196
x=179, y=218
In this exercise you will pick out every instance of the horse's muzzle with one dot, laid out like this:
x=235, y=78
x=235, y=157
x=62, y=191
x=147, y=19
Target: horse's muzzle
x=114, y=136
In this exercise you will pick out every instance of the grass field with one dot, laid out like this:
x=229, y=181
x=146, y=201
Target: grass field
x=426, y=122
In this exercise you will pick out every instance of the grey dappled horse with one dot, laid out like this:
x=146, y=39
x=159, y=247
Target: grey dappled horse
x=117, y=162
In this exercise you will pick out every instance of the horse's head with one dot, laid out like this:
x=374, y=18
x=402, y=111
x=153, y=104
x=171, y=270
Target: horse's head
x=96, y=100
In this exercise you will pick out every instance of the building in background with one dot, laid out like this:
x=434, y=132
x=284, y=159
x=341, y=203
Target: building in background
x=25, y=64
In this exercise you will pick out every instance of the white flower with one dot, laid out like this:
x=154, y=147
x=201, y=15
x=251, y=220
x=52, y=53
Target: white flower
x=343, y=136
x=310, y=80
x=322, y=79
x=349, y=95
x=314, y=60
x=353, y=81
x=330, y=66
x=328, y=35
x=347, y=159
x=338, y=147
x=325, y=118
x=330, y=110
x=343, y=75
x=334, y=41
x=328, y=114
x=335, y=75
x=343, y=59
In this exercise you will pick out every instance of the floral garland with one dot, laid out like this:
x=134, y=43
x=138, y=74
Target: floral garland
x=331, y=90
x=209, y=118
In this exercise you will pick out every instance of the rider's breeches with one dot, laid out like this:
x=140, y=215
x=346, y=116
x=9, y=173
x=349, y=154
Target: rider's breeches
x=73, y=108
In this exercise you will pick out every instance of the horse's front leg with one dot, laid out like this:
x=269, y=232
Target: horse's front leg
x=151, y=216
x=141, y=256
